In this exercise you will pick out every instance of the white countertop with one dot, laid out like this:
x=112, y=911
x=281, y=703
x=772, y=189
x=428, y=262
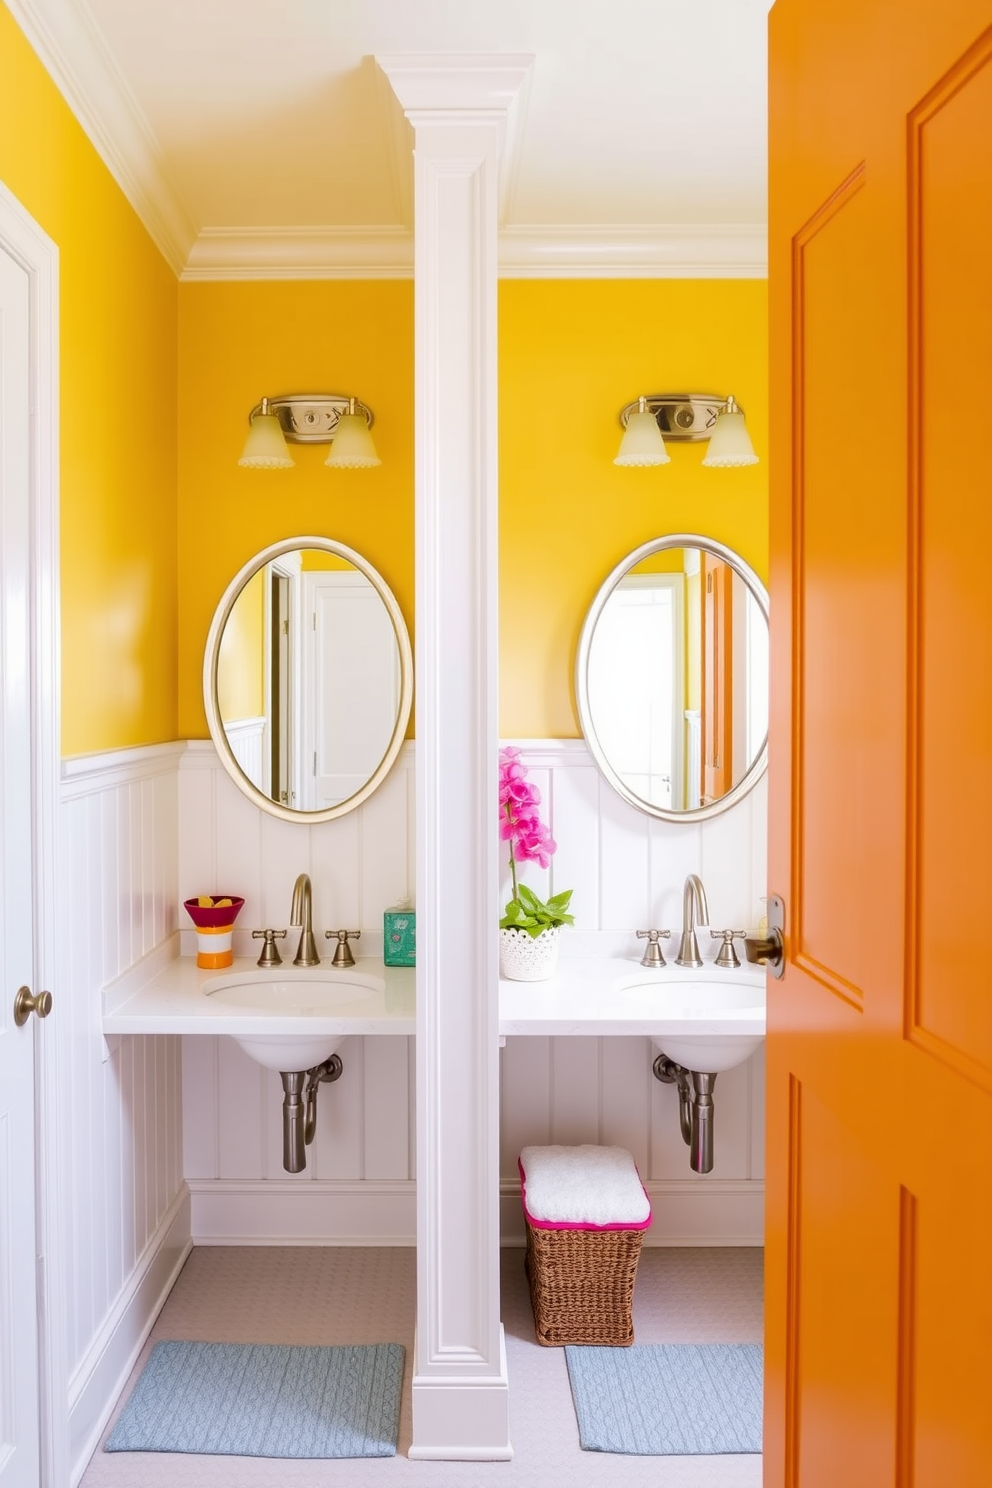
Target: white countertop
x=582, y=999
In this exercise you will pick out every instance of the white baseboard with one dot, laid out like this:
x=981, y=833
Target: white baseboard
x=691, y=1211
x=97, y=1382
x=280, y=1211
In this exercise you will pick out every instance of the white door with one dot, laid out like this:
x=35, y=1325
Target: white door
x=19, y=1395
x=351, y=685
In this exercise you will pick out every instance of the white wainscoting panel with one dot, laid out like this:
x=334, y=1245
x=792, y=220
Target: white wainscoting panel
x=627, y=872
x=125, y=1219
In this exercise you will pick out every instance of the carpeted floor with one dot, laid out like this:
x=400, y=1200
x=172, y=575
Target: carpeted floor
x=329, y=1295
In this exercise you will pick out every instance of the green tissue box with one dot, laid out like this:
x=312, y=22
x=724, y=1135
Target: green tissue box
x=399, y=937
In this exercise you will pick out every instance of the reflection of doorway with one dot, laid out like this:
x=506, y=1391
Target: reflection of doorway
x=637, y=685
x=280, y=746
x=280, y=734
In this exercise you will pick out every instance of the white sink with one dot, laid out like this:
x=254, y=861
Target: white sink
x=292, y=998
x=717, y=1015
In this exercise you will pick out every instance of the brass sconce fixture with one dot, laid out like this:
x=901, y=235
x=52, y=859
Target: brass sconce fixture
x=310, y=418
x=687, y=417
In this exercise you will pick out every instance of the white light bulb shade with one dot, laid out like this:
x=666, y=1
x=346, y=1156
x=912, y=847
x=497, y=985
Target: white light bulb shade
x=642, y=443
x=730, y=443
x=265, y=447
x=352, y=448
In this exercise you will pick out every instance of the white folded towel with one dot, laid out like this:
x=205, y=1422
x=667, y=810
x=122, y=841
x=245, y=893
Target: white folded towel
x=583, y=1187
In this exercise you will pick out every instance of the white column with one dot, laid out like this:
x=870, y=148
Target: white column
x=457, y=106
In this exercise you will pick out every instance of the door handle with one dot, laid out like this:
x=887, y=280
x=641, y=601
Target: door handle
x=27, y=1002
x=769, y=950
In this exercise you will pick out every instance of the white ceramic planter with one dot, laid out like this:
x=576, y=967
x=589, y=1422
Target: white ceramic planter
x=528, y=958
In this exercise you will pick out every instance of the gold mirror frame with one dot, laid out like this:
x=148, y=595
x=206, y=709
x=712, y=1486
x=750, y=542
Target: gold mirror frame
x=211, y=700
x=758, y=592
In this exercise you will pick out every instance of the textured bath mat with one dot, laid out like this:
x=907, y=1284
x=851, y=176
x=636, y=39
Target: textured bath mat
x=264, y=1400
x=668, y=1399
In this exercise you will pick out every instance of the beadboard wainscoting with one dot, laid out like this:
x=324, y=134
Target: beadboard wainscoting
x=125, y=1228
x=627, y=872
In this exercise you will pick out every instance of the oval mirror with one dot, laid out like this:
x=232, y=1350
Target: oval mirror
x=308, y=679
x=672, y=678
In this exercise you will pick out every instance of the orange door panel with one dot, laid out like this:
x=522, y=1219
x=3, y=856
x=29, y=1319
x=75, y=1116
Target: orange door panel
x=879, y=1226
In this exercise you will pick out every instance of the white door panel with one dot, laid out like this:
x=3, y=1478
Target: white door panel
x=19, y=1443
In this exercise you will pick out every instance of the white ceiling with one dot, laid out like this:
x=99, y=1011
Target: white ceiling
x=262, y=139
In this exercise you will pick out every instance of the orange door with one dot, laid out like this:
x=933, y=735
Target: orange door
x=716, y=654
x=879, y=1233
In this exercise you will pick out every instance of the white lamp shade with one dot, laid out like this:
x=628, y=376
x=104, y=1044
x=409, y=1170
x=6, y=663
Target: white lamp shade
x=642, y=443
x=265, y=447
x=730, y=443
x=352, y=448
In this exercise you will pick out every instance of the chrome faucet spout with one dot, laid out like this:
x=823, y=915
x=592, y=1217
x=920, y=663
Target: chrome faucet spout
x=695, y=911
x=302, y=914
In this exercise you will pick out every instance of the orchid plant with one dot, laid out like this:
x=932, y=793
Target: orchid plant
x=530, y=841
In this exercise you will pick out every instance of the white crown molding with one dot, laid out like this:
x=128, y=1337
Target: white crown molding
x=632, y=251
x=727, y=251
x=221, y=253
x=73, y=52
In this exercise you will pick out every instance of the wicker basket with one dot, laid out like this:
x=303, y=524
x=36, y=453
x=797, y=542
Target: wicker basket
x=582, y=1284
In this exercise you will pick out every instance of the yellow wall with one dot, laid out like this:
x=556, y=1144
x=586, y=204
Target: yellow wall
x=238, y=342
x=240, y=665
x=118, y=307
x=572, y=353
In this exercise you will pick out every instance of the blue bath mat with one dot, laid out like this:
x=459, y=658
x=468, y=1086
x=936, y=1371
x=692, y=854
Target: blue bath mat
x=668, y=1399
x=264, y=1400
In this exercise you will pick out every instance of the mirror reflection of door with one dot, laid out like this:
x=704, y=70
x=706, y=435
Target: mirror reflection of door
x=278, y=785
x=636, y=672
x=351, y=681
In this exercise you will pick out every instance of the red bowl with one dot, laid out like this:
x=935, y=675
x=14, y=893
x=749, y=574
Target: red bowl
x=215, y=916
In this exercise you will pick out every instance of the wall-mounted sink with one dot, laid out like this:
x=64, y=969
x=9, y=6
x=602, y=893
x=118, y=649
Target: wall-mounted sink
x=290, y=999
x=717, y=1014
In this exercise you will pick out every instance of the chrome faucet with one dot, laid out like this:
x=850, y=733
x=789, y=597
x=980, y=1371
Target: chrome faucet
x=693, y=904
x=301, y=914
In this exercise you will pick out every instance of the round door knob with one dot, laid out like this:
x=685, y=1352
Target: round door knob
x=27, y=1002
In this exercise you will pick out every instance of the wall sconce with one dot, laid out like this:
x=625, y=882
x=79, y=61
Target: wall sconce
x=310, y=418
x=684, y=417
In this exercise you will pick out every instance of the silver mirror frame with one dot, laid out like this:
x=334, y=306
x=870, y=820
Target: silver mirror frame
x=211, y=699
x=658, y=545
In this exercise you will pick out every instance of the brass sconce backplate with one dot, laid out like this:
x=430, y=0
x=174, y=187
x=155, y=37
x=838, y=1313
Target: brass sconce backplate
x=311, y=418
x=681, y=416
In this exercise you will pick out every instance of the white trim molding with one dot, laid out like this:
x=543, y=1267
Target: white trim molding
x=89, y=774
x=457, y=105
x=282, y=1211
x=73, y=52
x=96, y=1384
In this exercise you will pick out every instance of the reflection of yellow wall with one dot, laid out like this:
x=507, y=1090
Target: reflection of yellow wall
x=315, y=561
x=572, y=353
x=238, y=342
x=117, y=389
x=240, y=680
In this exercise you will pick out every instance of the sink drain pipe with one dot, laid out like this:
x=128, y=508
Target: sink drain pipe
x=299, y=1109
x=695, y=1109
